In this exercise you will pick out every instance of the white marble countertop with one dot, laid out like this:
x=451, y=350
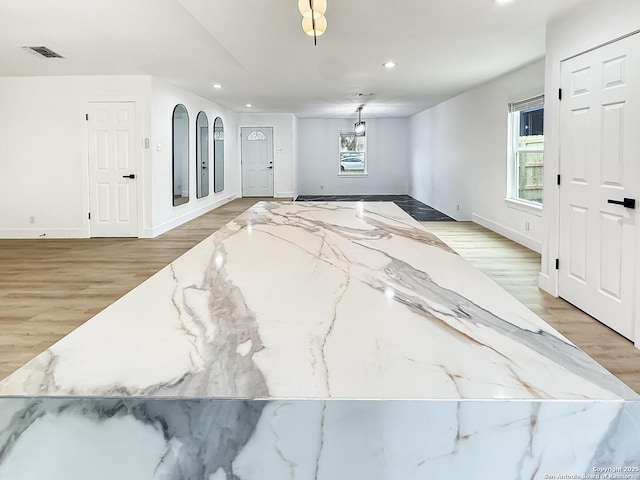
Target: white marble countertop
x=318, y=301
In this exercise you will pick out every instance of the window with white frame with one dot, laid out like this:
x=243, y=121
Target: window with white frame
x=353, y=158
x=526, y=119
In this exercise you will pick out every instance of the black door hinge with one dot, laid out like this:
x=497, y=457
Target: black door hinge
x=559, y=94
x=89, y=215
x=86, y=116
x=558, y=179
x=557, y=264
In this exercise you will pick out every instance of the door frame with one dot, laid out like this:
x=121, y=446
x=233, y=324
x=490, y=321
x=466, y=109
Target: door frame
x=273, y=146
x=549, y=281
x=139, y=153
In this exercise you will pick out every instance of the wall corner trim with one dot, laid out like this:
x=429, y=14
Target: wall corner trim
x=545, y=283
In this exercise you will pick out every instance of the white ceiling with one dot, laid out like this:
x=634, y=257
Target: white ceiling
x=257, y=50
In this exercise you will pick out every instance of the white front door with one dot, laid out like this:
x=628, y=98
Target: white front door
x=257, y=162
x=112, y=169
x=599, y=157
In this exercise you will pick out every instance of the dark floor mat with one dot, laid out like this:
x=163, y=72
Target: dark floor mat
x=415, y=208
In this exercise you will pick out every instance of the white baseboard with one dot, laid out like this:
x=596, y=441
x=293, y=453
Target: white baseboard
x=280, y=195
x=146, y=233
x=43, y=233
x=511, y=234
x=176, y=222
x=547, y=284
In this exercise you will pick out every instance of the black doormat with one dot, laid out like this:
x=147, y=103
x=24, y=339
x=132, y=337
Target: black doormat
x=415, y=208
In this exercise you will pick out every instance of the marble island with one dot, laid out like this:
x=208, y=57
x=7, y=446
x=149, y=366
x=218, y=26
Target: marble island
x=316, y=340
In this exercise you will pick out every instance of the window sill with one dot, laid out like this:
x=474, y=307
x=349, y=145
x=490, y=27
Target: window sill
x=353, y=175
x=524, y=206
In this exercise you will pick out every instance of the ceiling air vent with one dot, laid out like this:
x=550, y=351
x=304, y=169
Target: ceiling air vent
x=44, y=51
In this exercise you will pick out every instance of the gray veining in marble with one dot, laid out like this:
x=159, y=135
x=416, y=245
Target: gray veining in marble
x=318, y=300
x=213, y=439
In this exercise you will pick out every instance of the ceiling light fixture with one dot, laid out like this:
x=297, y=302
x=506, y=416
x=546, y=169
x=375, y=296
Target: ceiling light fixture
x=503, y=1
x=314, y=23
x=217, y=85
x=248, y=105
x=317, y=8
x=389, y=64
x=360, y=127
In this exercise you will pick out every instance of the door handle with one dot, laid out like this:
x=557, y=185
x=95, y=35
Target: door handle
x=270, y=168
x=626, y=203
x=132, y=175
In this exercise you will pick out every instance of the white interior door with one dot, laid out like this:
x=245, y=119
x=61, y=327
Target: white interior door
x=112, y=169
x=257, y=162
x=599, y=156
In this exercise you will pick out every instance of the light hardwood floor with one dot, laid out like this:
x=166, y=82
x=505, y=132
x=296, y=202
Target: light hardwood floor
x=50, y=287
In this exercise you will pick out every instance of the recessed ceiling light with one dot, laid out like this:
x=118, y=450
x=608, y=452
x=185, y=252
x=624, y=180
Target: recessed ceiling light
x=389, y=64
x=503, y=1
x=217, y=85
x=248, y=105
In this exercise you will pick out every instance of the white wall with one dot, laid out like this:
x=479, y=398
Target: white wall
x=459, y=151
x=44, y=171
x=284, y=145
x=43, y=151
x=387, y=157
x=164, y=98
x=587, y=26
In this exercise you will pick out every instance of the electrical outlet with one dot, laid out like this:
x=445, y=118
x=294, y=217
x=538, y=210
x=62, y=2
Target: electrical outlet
x=321, y=187
x=32, y=219
x=526, y=226
x=457, y=206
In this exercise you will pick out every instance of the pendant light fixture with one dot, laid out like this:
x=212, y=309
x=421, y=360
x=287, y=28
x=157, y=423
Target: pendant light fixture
x=360, y=127
x=314, y=23
x=318, y=7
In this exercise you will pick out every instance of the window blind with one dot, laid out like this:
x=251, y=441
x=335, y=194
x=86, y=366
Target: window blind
x=527, y=104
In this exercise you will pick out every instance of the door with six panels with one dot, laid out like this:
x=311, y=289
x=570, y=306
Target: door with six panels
x=112, y=169
x=599, y=166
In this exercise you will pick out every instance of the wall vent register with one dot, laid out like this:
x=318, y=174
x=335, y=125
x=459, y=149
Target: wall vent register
x=43, y=51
